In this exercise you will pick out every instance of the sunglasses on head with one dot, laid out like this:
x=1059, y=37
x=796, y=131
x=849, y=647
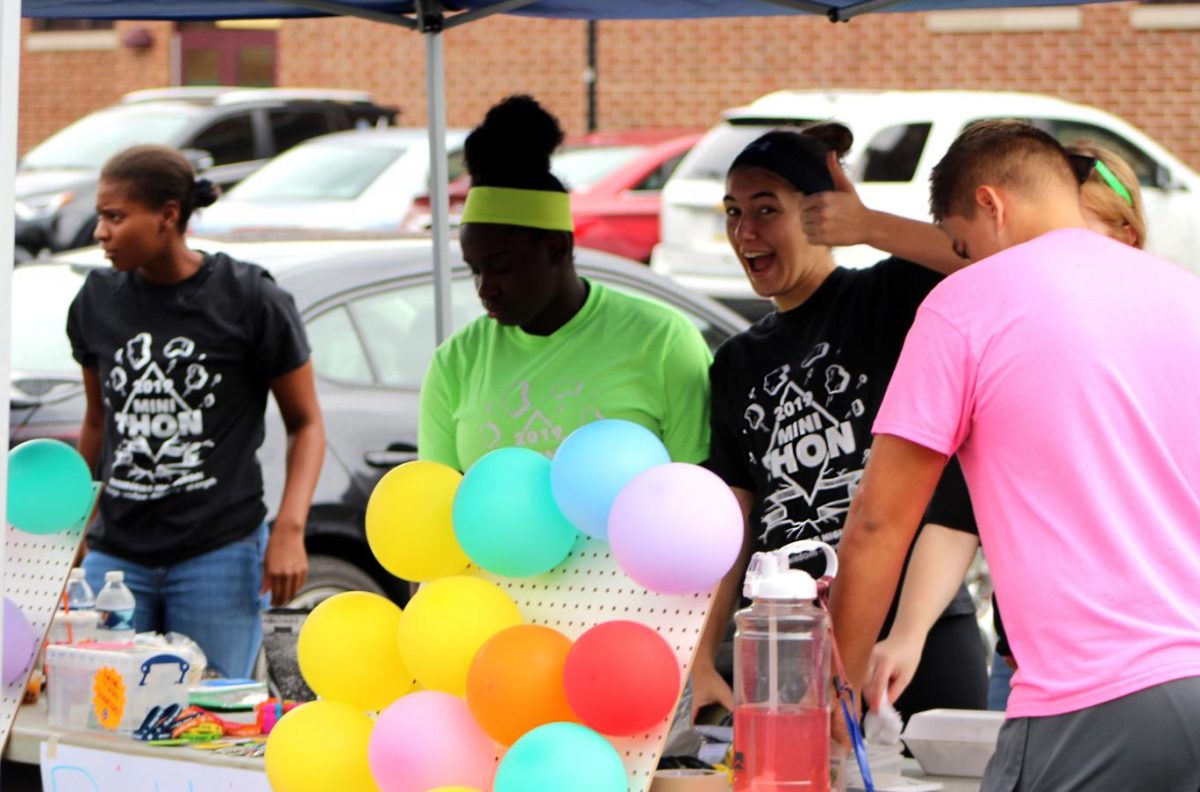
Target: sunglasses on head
x=1083, y=165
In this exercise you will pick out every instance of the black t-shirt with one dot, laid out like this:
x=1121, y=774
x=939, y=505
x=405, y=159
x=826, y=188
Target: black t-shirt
x=795, y=395
x=184, y=371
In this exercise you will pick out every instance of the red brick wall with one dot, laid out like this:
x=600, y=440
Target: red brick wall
x=672, y=74
x=59, y=86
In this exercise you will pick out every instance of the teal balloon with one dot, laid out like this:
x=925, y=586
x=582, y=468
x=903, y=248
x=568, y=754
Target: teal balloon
x=49, y=486
x=561, y=756
x=505, y=516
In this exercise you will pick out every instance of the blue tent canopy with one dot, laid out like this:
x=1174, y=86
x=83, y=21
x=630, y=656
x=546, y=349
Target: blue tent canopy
x=391, y=10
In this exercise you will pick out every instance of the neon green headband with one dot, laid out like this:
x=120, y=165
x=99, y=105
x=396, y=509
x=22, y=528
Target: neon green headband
x=545, y=209
x=1111, y=180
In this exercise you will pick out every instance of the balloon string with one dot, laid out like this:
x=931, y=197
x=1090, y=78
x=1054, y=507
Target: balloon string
x=844, y=692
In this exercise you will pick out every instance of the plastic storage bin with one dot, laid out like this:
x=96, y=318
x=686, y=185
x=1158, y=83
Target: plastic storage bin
x=953, y=742
x=111, y=688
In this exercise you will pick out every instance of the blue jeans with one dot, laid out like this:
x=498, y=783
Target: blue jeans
x=998, y=685
x=213, y=599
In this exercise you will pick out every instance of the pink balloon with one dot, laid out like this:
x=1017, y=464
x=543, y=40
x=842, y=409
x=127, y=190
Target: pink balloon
x=426, y=740
x=676, y=529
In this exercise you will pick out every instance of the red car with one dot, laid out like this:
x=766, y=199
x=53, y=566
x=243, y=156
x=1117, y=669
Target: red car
x=614, y=179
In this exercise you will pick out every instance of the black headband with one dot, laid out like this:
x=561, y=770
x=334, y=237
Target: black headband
x=802, y=169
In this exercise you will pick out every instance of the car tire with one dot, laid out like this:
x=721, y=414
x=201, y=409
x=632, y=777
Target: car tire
x=329, y=575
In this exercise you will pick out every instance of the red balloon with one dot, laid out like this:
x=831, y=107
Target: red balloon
x=621, y=678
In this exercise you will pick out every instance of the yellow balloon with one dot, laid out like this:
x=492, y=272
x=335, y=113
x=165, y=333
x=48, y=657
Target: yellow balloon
x=444, y=625
x=408, y=521
x=348, y=653
x=320, y=746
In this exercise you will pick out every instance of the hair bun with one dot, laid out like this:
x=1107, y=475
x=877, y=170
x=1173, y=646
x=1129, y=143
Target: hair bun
x=514, y=143
x=837, y=137
x=204, y=193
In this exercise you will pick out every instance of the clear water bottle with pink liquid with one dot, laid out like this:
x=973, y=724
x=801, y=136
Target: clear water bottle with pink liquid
x=781, y=676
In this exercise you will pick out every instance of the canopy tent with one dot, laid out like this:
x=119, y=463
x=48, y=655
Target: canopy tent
x=429, y=17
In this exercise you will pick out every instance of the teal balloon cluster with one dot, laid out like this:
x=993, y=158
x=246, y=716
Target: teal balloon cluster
x=49, y=487
x=505, y=517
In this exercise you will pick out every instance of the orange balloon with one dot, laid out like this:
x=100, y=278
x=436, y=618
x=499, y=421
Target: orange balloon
x=515, y=682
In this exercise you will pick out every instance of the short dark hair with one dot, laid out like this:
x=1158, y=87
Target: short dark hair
x=1013, y=154
x=158, y=174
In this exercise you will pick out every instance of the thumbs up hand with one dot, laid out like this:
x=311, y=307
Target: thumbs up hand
x=837, y=217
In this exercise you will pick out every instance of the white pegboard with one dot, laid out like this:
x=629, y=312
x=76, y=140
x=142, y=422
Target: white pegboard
x=589, y=588
x=35, y=572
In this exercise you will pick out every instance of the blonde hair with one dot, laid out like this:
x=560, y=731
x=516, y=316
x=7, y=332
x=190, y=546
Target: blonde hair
x=1099, y=197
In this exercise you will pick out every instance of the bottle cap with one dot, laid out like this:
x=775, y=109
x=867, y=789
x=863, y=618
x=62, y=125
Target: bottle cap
x=114, y=575
x=76, y=574
x=770, y=574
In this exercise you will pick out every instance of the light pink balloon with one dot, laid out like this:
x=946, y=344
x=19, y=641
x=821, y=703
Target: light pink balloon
x=676, y=529
x=426, y=740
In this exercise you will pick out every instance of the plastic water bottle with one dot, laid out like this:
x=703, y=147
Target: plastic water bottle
x=80, y=596
x=781, y=677
x=115, y=605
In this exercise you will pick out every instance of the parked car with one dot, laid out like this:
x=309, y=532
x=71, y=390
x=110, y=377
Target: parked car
x=615, y=179
x=899, y=137
x=369, y=312
x=360, y=180
x=226, y=132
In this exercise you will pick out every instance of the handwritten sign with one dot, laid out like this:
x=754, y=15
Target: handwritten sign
x=73, y=769
x=108, y=697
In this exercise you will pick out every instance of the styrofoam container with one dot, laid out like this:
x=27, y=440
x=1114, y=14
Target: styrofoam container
x=150, y=677
x=952, y=742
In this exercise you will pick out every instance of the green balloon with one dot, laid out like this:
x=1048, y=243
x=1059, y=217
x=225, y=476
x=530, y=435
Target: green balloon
x=505, y=516
x=561, y=756
x=49, y=486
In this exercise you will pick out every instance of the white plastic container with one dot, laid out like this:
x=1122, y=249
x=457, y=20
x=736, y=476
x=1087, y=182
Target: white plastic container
x=952, y=742
x=146, y=677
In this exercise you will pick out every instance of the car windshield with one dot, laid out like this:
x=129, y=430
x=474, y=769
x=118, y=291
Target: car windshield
x=91, y=140
x=580, y=168
x=41, y=296
x=711, y=157
x=320, y=172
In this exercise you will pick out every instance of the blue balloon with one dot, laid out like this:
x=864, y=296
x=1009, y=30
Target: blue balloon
x=505, y=517
x=49, y=486
x=561, y=756
x=594, y=463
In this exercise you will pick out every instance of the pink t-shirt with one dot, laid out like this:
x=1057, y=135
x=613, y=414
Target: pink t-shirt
x=1066, y=374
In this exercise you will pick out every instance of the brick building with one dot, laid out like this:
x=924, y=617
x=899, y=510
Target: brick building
x=1140, y=61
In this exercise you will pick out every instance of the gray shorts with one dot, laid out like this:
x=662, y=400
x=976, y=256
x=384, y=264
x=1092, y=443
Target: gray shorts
x=1149, y=740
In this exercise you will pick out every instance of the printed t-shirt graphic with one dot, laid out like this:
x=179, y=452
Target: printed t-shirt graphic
x=159, y=415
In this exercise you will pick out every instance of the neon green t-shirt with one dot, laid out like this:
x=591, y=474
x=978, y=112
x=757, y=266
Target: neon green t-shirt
x=622, y=356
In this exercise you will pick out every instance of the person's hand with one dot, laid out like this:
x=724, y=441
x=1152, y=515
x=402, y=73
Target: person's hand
x=837, y=217
x=285, y=567
x=891, y=667
x=709, y=687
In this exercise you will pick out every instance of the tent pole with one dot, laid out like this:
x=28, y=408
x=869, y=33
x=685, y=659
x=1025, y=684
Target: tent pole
x=439, y=192
x=10, y=84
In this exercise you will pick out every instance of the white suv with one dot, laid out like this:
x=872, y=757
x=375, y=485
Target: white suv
x=899, y=136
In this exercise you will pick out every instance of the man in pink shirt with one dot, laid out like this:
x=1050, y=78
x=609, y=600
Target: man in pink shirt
x=1064, y=370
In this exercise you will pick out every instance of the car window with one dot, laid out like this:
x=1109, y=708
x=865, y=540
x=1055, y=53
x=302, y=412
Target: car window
x=337, y=353
x=1146, y=168
x=291, y=126
x=893, y=154
x=320, y=172
x=90, y=141
x=456, y=166
x=41, y=297
x=228, y=140
x=398, y=328
x=711, y=157
x=655, y=180
x=580, y=168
